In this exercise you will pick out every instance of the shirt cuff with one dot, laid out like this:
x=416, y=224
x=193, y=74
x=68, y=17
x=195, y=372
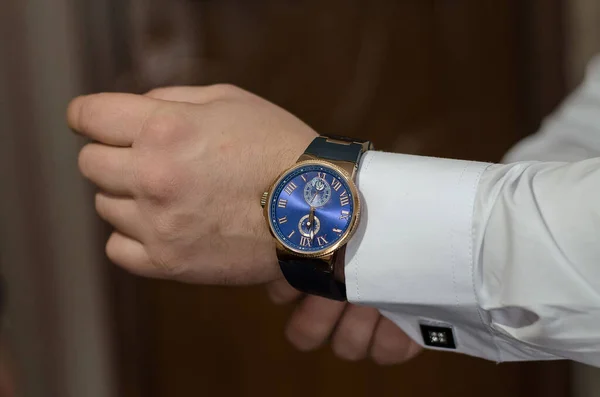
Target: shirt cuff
x=412, y=255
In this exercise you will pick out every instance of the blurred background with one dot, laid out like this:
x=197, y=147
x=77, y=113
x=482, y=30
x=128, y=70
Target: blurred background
x=454, y=78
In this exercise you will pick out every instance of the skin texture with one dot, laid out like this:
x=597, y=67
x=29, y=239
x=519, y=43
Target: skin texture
x=181, y=171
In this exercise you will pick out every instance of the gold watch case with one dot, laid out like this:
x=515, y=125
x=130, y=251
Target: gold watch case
x=346, y=170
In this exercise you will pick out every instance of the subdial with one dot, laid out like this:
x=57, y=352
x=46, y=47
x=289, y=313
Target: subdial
x=317, y=192
x=305, y=228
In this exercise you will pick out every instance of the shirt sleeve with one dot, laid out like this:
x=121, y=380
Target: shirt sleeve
x=494, y=261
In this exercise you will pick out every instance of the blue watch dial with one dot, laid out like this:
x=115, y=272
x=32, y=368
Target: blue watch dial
x=311, y=208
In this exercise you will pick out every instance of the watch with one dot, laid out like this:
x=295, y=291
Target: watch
x=312, y=209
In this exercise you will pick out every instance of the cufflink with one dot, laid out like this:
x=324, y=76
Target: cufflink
x=438, y=336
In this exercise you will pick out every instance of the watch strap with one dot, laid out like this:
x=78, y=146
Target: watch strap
x=307, y=275
x=312, y=275
x=337, y=148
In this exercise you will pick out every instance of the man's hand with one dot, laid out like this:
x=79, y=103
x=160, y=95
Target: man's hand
x=181, y=172
x=355, y=332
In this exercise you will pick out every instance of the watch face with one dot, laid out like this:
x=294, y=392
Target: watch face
x=311, y=208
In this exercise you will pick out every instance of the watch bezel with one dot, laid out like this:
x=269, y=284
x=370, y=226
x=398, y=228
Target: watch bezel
x=343, y=240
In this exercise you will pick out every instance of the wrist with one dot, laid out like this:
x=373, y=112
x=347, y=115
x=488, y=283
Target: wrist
x=285, y=158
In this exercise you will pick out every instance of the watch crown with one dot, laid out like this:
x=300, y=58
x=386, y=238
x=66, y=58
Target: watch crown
x=263, y=199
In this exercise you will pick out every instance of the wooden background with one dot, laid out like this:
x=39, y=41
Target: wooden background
x=453, y=78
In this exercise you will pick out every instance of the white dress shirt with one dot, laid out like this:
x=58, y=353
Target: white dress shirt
x=502, y=259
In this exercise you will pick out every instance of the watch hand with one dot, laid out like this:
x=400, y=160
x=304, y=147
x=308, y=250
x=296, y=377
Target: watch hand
x=313, y=199
x=311, y=223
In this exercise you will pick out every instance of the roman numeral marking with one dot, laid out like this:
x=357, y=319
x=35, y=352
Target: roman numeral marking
x=336, y=185
x=282, y=203
x=321, y=175
x=284, y=220
x=303, y=178
x=304, y=241
x=291, y=234
x=338, y=231
x=321, y=240
x=345, y=214
x=289, y=189
x=344, y=199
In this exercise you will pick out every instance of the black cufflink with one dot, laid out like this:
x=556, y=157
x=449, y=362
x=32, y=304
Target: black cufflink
x=438, y=336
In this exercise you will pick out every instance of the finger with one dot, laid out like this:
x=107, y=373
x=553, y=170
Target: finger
x=391, y=345
x=196, y=95
x=131, y=255
x=113, y=119
x=280, y=292
x=109, y=167
x=121, y=212
x=354, y=332
x=313, y=321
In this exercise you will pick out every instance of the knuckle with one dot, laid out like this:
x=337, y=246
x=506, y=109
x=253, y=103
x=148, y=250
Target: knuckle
x=161, y=92
x=227, y=89
x=224, y=91
x=163, y=129
x=166, y=227
x=158, y=180
x=167, y=261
